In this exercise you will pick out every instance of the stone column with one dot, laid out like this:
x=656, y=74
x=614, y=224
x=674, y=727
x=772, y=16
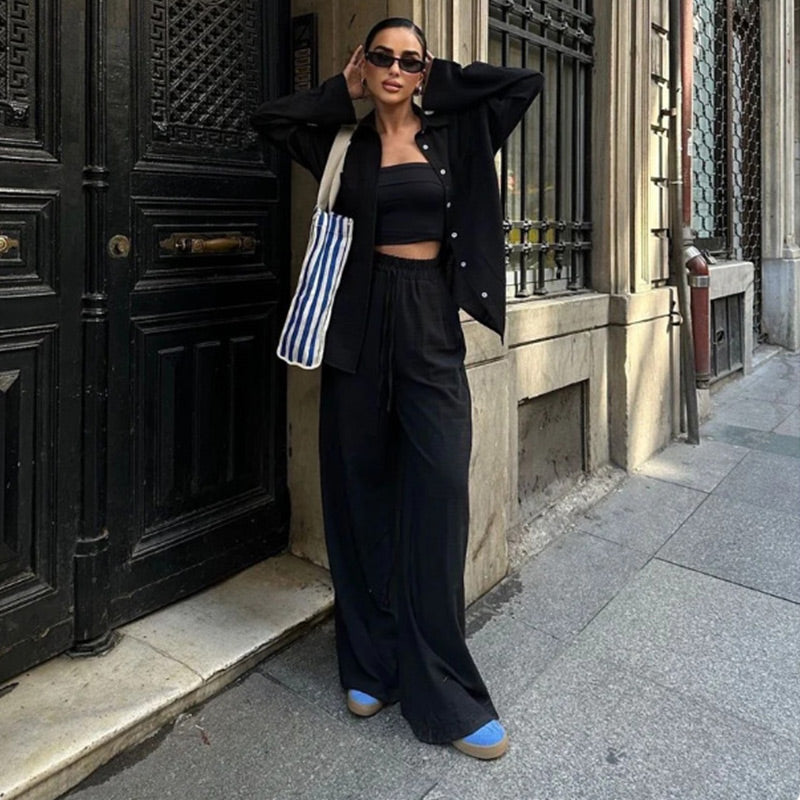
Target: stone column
x=780, y=281
x=457, y=29
x=342, y=25
x=631, y=46
x=612, y=112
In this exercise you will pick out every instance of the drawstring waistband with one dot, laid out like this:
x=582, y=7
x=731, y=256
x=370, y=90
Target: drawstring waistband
x=387, y=338
x=395, y=268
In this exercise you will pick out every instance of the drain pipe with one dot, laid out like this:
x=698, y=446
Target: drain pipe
x=677, y=259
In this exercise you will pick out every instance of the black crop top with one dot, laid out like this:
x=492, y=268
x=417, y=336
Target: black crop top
x=410, y=204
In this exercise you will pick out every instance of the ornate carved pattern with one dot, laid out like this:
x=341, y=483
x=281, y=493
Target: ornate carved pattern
x=204, y=61
x=15, y=62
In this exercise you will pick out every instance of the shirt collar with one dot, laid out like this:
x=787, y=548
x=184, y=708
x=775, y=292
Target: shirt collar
x=429, y=119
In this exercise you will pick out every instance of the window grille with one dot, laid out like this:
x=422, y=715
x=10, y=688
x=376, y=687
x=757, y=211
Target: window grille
x=726, y=137
x=544, y=167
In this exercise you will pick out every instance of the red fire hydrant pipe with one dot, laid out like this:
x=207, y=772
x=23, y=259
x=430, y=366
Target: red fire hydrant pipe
x=701, y=314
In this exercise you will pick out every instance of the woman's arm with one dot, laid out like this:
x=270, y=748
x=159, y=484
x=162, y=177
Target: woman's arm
x=304, y=124
x=503, y=94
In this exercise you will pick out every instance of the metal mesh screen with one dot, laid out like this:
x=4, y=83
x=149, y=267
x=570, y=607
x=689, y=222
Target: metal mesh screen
x=726, y=137
x=544, y=167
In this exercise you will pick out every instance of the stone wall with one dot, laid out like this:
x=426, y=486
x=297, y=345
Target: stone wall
x=616, y=344
x=780, y=282
x=797, y=119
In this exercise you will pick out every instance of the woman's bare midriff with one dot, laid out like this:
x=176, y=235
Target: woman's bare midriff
x=416, y=250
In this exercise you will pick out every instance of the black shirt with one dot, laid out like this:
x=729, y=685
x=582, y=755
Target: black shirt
x=467, y=113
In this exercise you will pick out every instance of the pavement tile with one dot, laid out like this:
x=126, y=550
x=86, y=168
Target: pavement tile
x=791, y=425
x=776, y=387
x=642, y=514
x=720, y=643
x=258, y=741
x=699, y=467
x=752, y=439
x=785, y=366
x=765, y=480
x=589, y=730
x=781, y=367
x=752, y=412
x=752, y=546
x=510, y=655
x=563, y=587
x=309, y=669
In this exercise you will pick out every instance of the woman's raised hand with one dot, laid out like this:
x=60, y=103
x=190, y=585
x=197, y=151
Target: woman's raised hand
x=353, y=74
x=428, y=62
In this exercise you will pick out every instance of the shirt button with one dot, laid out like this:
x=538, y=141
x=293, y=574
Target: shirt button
x=454, y=235
x=484, y=295
x=448, y=204
x=424, y=147
x=443, y=172
x=463, y=264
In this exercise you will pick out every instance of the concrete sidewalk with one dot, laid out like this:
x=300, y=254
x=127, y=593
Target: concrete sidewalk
x=653, y=651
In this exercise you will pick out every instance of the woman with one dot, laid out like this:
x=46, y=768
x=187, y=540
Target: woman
x=395, y=419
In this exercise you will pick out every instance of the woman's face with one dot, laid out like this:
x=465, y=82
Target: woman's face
x=392, y=85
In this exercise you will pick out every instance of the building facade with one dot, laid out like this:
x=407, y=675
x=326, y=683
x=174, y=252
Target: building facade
x=150, y=442
x=589, y=372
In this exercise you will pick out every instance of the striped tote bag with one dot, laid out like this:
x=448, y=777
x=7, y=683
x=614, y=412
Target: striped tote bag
x=302, y=340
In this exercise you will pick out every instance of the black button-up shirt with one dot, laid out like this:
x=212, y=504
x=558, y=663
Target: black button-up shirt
x=467, y=114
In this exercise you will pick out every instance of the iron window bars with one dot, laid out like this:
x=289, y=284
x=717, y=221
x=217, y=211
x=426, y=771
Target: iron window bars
x=726, y=133
x=544, y=167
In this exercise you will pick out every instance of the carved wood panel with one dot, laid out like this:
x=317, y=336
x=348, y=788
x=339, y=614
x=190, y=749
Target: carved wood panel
x=28, y=221
x=205, y=402
x=156, y=221
x=28, y=377
x=27, y=67
x=41, y=280
x=16, y=62
x=203, y=68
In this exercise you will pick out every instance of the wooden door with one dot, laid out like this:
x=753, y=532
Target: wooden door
x=143, y=262
x=196, y=453
x=42, y=249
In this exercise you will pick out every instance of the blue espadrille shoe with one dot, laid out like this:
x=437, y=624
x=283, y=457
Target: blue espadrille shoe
x=363, y=704
x=489, y=741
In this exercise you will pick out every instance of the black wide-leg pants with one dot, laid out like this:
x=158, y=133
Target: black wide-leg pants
x=395, y=441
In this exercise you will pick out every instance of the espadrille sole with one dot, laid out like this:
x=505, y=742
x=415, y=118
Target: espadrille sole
x=363, y=709
x=486, y=752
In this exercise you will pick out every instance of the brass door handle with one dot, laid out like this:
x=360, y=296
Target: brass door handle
x=7, y=243
x=211, y=244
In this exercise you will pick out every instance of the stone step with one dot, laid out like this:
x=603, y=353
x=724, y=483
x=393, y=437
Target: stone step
x=63, y=719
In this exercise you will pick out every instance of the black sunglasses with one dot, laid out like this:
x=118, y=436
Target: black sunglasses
x=407, y=63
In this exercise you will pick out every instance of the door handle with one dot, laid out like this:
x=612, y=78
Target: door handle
x=7, y=243
x=208, y=244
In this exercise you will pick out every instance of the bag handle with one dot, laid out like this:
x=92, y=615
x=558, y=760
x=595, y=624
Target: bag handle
x=332, y=176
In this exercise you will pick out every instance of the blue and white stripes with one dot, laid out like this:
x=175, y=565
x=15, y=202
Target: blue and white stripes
x=302, y=340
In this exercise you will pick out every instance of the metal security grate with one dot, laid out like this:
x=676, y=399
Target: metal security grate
x=544, y=166
x=726, y=152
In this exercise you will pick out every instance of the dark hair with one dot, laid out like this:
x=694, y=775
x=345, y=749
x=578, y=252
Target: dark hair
x=397, y=22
